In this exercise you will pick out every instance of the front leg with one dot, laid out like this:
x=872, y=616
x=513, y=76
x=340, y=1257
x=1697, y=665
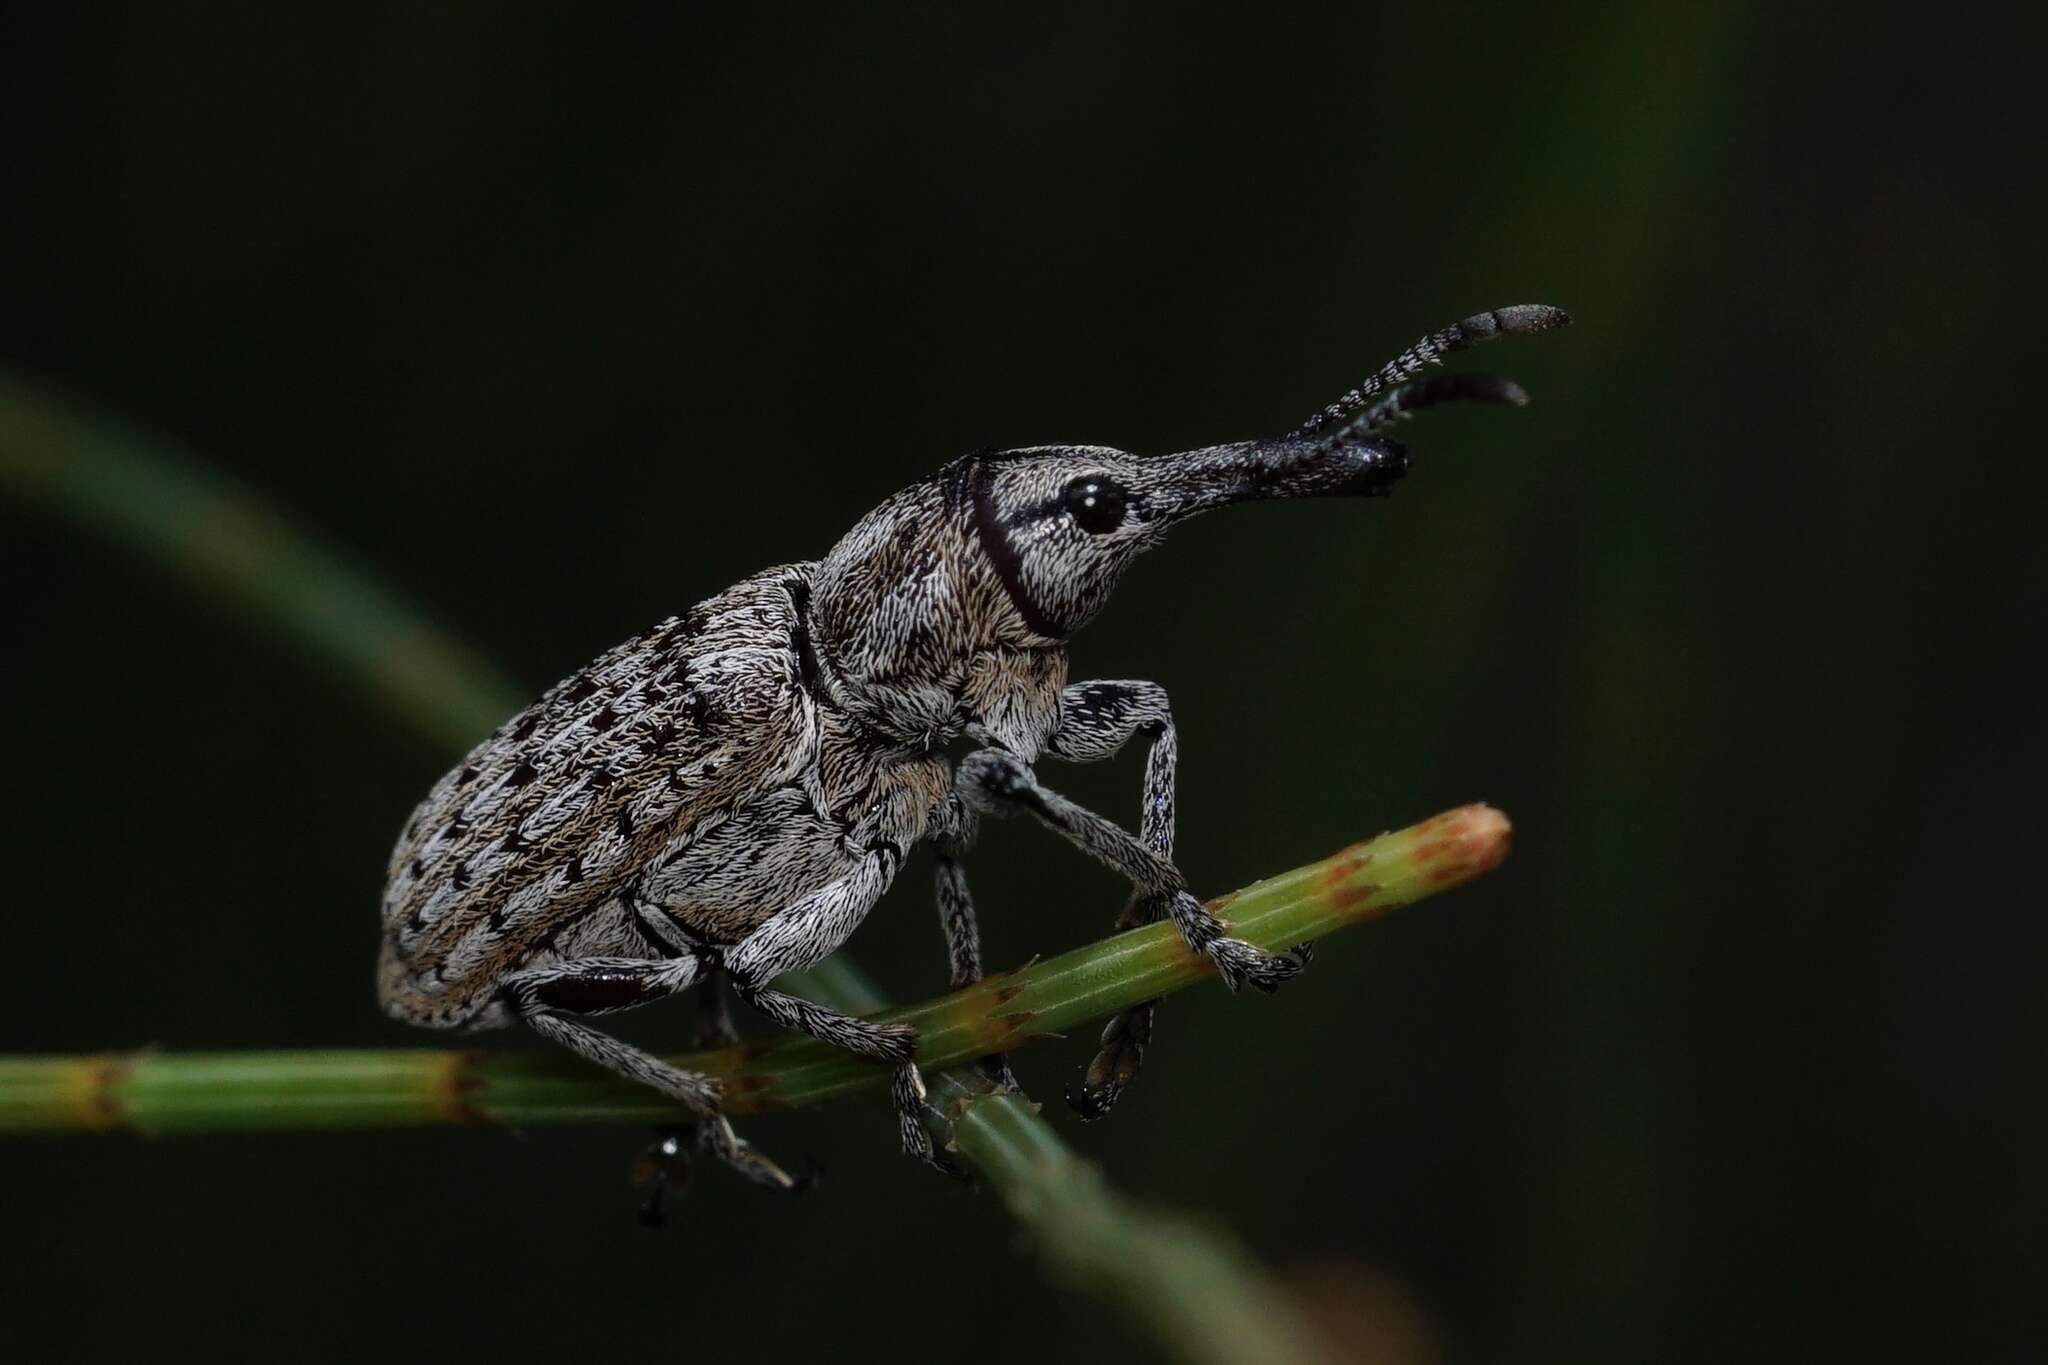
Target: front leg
x=1096, y=720
x=997, y=782
x=803, y=935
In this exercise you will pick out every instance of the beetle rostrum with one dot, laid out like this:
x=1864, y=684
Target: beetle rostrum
x=724, y=798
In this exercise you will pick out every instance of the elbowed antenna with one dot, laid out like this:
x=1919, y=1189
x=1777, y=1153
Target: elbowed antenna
x=1517, y=319
x=1340, y=452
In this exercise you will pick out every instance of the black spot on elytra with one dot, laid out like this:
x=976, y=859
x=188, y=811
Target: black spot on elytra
x=418, y=869
x=580, y=690
x=600, y=778
x=659, y=740
x=605, y=719
x=459, y=878
x=574, y=871
x=522, y=775
x=466, y=776
x=524, y=730
x=625, y=823
x=515, y=842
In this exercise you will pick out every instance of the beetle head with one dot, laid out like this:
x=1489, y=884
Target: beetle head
x=1022, y=548
x=1061, y=523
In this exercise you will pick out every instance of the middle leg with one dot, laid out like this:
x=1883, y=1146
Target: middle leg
x=957, y=828
x=1096, y=720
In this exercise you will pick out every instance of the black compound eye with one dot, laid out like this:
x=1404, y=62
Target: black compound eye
x=1096, y=504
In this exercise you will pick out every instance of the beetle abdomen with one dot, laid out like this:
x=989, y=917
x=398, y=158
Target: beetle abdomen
x=555, y=814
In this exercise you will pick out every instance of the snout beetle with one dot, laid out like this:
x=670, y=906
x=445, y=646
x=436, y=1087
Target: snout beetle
x=727, y=795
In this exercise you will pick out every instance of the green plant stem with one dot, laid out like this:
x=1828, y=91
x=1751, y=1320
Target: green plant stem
x=170, y=1092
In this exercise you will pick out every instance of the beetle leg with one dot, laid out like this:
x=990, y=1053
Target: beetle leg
x=1096, y=720
x=547, y=997
x=802, y=934
x=956, y=915
x=996, y=781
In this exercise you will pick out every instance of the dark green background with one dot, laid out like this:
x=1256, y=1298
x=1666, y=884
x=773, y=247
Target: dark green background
x=566, y=318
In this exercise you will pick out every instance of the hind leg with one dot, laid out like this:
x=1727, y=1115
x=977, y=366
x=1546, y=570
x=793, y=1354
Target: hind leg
x=663, y=1166
x=550, y=999
x=803, y=934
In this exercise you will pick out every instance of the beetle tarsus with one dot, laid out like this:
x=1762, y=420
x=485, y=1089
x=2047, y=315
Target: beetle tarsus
x=745, y=1158
x=1240, y=964
x=907, y=1092
x=1124, y=1041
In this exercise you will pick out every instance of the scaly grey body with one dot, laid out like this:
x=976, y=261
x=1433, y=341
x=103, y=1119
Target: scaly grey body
x=728, y=794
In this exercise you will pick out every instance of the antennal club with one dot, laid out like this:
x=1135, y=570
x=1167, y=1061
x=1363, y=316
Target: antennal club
x=1520, y=319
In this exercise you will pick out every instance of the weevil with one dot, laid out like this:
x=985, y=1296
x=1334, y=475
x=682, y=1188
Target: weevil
x=725, y=797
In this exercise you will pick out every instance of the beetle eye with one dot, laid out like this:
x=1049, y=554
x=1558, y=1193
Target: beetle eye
x=1096, y=504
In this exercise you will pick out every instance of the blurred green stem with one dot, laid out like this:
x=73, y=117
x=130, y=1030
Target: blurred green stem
x=1195, y=1288
x=233, y=546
